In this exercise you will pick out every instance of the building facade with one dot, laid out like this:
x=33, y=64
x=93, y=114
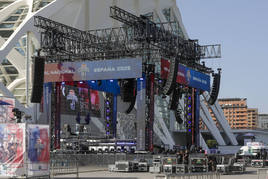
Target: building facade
x=237, y=113
x=252, y=118
x=263, y=121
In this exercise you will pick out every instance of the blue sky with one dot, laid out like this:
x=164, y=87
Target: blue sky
x=241, y=27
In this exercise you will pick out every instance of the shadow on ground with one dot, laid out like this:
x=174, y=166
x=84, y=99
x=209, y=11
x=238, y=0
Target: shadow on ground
x=97, y=178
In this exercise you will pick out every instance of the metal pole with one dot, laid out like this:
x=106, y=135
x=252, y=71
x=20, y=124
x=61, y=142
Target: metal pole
x=27, y=66
x=114, y=114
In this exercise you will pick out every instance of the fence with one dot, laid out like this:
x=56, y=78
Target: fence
x=262, y=173
x=209, y=175
x=64, y=164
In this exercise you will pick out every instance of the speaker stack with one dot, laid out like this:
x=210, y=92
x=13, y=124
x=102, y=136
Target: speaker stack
x=38, y=79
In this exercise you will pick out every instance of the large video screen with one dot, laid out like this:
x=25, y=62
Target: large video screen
x=76, y=100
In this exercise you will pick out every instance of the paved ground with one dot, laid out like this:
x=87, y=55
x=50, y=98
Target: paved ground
x=251, y=173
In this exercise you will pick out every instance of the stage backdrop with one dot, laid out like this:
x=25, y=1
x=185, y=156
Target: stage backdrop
x=93, y=70
x=12, y=149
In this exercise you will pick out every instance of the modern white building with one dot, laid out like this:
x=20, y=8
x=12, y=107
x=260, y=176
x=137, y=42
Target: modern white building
x=263, y=121
x=19, y=40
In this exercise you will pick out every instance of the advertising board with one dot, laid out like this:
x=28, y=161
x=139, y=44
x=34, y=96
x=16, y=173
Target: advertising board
x=12, y=149
x=187, y=76
x=93, y=70
x=38, y=150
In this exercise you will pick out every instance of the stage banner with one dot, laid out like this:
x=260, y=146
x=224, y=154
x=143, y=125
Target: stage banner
x=187, y=76
x=141, y=113
x=38, y=150
x=12, y=150
x=193, y=78
x=93, y=70
x=6, y=106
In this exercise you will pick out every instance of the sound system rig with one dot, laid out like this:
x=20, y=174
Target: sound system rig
x=138, y=37
x=38, y=79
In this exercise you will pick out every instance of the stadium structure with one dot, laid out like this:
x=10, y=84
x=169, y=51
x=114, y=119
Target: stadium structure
x=20, y=40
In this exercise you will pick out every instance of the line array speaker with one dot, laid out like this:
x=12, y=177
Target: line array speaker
x=38, y=79
x=172, y=76
x=215, y=88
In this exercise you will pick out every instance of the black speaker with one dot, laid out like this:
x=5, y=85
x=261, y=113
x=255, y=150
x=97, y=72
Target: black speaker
x=133, y=100
x=38, y=79
x=178, y=116
x=127, y=90
x=172, y=76
x=215, y=88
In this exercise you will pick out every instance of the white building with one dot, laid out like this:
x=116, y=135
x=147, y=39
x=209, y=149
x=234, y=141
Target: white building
x=263, y=121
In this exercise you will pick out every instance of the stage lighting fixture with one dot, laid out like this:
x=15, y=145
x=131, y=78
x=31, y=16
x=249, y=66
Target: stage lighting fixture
x=188, y=110
x=109, y=114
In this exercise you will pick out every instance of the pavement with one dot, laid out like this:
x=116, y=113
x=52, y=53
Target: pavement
x=251, y=173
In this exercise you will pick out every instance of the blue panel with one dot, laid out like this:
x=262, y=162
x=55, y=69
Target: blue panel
x=193, y=78
x=109, y=86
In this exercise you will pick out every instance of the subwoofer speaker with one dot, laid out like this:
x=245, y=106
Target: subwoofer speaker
x=38, y=79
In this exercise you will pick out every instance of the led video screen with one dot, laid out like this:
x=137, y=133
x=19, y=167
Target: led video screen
x=76, y=100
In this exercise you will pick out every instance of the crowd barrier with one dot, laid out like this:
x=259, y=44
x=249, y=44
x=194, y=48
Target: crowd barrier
x=262, y=173
x=65, y=164
x=210, y=175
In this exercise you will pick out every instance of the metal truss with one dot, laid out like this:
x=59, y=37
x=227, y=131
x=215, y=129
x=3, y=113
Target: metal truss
x=138, y=37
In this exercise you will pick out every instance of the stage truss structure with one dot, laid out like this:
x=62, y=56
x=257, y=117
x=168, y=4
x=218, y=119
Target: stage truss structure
x=137, y=37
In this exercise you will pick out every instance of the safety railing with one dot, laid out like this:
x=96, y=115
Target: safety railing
x=64, y=165
x=262, y=173
x=209, y=175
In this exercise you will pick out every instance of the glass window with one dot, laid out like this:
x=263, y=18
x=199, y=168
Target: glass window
x=42, y=4
x=12, y=18
x=18, y=11
x=11, y=70
x=20, y=51
x=6, y=62
x=167, y=14
x=5, y=33
x=6, y=25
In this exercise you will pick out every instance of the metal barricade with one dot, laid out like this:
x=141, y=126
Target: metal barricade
x=64, y=165
x=262, y=173
x=210, y=175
